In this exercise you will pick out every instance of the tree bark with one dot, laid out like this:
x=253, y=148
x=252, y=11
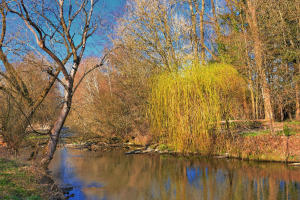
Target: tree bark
x=245, y=106
x=247, y=62
x=202, y=32
x=55, y=131
x=252, y=99
x=194, y=36
x=252, y=19
x=297, y=88
x=201, y=16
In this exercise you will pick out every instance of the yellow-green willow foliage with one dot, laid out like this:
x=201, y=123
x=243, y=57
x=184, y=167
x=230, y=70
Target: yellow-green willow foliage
x=186, y=107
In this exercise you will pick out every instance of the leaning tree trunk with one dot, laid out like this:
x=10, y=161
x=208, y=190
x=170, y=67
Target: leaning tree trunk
x=55, y=131
x=26, y=14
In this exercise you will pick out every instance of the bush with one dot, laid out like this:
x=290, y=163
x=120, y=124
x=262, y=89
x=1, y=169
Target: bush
x=109, y=105
x=185, y=107
x=12, y=123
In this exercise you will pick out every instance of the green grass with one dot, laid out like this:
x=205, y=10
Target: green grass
x=17, y=183
x=255, y=133
x=292, y=123
x=165, y=147
x=287, y=132
x=35, y=137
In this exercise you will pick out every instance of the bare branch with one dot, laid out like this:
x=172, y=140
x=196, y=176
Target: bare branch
x=90, y=70
x=71, y=18
x=33, y=27
x=56, y=77
x=3, y=32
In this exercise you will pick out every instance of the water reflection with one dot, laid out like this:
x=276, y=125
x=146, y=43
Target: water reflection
x=113, y=175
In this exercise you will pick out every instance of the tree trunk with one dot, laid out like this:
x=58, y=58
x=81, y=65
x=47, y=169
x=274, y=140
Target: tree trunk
x=256, y=106
x=245, y=106
x=267, y=98
x=194, y=36
x=216, y=24
x=202, y=32
x=290, y=115
x=281, y=112
x=297, y=88
x=252, y=99
x=172, y=60
x=201, y=18
x=259, y=62
x=297, y=85
x=55, y=131
x=247, y=63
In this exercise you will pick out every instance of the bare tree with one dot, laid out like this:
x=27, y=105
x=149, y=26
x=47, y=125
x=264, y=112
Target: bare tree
x=17, y=90
x=258, y=51
x=61, y=29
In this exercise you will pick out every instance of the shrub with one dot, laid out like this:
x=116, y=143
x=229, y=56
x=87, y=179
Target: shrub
x=111, y=104
x=186, y=106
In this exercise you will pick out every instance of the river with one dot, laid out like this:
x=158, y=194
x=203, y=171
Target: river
x=114, y=176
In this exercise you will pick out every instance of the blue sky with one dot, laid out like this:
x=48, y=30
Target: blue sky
x=106, y=10
x=109, y=10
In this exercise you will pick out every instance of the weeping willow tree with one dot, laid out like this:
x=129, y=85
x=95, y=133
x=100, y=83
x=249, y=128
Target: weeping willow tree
x=187, y=106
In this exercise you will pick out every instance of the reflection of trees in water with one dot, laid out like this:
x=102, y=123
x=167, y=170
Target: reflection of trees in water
x=166, y=177
x=64, y=171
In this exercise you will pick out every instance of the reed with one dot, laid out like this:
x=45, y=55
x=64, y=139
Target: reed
x=185, y=107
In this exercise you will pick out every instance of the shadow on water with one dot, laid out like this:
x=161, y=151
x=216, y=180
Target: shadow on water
x=114, y=175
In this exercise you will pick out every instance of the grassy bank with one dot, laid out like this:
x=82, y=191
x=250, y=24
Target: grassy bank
x=20, y=181
x=258, y=146
x=265, y=147
x=17, y=181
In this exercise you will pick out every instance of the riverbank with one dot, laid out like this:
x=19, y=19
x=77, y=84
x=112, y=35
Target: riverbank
x=21, y=180
x=258, y=146
x=267, y=147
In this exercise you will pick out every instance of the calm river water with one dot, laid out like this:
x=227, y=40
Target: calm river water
x=114, y=175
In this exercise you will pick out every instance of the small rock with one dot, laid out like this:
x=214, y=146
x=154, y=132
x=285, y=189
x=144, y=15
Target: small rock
x=220, y=157
x=66, y=188
x=163, y=152
x=148, y=150
x=94, y=147
x=294, y=164
x=46, y=180
x=134, y=152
